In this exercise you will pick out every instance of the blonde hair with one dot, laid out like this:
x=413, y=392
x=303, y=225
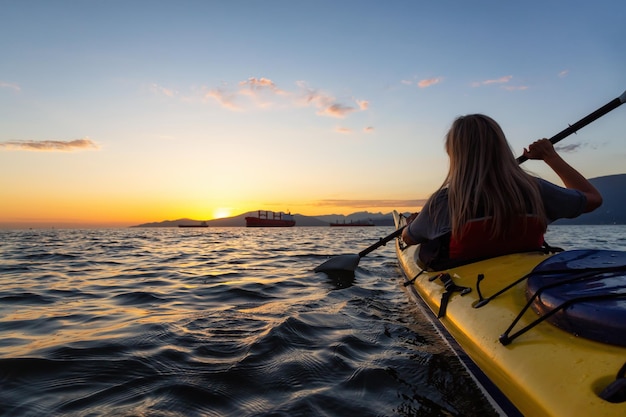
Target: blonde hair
x=484, y=178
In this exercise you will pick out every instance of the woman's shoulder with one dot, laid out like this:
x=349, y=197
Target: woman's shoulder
x=438, y=201
x=547, y=189
x=560, y=202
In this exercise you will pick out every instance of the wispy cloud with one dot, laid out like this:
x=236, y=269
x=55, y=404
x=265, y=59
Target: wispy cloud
x=336, y=110
x=501, y=80
x=263, y=93
x=344, y=130
x=363, y=104
x=260, y=84
x=515, y=87
x=225, y=99
x=49, y=145
x=425, y=83
x=158, y=89
x=368, y=129
x=429, y=82
x=326, y=104
x=10, y=86
x=563, y=73
x=570, y=148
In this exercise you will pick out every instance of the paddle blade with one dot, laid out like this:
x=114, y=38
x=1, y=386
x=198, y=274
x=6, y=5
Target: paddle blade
x=340, y=263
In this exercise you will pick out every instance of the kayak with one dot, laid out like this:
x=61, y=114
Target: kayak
x=544, y=333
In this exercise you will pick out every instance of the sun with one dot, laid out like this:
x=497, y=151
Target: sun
x=221, y=212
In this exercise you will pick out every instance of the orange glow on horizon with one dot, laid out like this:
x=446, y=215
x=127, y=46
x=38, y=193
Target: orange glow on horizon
x=91, y=209
x=221, y=212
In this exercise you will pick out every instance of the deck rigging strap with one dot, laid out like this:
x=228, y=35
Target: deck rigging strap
x=585, y=274
x=451, y=288
x=506, y=339
x=483, y=301
x=412, y=280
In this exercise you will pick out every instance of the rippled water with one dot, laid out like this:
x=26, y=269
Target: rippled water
x=223, y=321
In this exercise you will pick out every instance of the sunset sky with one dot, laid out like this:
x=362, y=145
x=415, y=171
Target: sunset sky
x=114, y=113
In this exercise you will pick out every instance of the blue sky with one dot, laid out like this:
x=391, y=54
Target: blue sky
x=123, y=112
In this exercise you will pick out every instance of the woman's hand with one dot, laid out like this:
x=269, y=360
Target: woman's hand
x=541, y=149
x=411, y=218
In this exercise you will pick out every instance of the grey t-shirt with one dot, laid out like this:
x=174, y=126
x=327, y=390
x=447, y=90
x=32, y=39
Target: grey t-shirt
x=558, y=203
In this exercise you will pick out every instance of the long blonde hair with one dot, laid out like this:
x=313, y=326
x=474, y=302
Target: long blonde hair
x=484, y=178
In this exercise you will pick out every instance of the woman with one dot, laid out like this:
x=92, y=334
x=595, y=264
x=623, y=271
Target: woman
x=488, y=206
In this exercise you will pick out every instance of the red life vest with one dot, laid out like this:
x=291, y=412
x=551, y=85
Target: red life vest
x=475, y=241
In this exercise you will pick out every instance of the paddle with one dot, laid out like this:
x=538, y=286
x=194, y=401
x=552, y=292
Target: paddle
x=350, y=262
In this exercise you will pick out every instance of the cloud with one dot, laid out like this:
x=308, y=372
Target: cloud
x=225, y=99
x=370, y=203
x=501, y=80
x=336, y=110
x=573, y=147
x=515, y=87
x=262, y=90
x=563, y=73
x=49, y=145
x=260, y=84
x=429, y=82
x=263, y=93
x=328, y=105
x=11, y=86
x=368, y=129
x=157, y=89
x=344, y=130
x=313, y=97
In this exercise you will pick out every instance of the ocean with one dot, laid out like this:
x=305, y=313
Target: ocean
x=224, y=322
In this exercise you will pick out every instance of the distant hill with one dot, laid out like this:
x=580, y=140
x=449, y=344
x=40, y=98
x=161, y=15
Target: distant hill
x=612, y=211
x=170, y=223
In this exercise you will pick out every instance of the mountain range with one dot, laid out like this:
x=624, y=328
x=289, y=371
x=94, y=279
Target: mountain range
x=379, y=219
x=612, y=211
x=613, y=208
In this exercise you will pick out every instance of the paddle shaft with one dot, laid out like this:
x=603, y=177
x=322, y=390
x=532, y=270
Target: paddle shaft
x=382, y=242
x=612, y=105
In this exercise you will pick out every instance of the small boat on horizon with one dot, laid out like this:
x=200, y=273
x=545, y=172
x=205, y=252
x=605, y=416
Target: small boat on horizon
x=354, y=223
x=201, y=224
x=266, y=218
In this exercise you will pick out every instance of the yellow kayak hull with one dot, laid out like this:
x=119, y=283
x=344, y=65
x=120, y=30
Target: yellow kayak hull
x=545, y=371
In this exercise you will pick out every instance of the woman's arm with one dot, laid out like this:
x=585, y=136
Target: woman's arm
x=544, y=150
x=406, y=236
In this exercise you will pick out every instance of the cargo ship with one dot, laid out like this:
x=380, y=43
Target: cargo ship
x=270, y=219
